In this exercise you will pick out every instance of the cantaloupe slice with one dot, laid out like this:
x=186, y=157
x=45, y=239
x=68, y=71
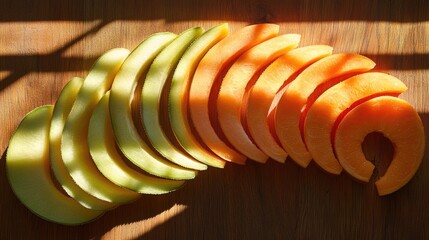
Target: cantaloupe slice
x=230, y=101
x=61, y=112
x=74, y=140
x=206, y=82
x=152, y=108
x=301, y=93
x=102, y=147
x=320, y=123
x=398, y=121
x=265, y=89
x=179, y=95
x=121, y=96
x=29, y=175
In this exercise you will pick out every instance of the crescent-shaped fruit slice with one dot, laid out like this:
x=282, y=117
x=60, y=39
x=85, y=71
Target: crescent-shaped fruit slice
x=206, y=83
x=28, y=171
x=102, y=147
x=270, y=83
x=74, y=141
x=61, y=112
x=231, y=99
x=154, y=112
x=301, y=93
x=179, y=95
x=121, y=96
x=398, y=121
x=326, y=112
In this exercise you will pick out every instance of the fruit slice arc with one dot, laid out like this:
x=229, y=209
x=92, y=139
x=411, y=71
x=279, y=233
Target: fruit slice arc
x=301, y=92
x=151, y=104
x=263, y=93
x=128, y=139
x=231, y=99
x=109, y=161
x=398, y=121
x=206, y=79
x=28, y=171
x=74, y=141
x=324, y=112
x=62, y=110
x=179, y=94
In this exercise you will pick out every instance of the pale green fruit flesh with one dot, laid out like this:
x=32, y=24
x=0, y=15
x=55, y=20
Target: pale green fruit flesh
x=61, y=111
x=178, y=96
x=122, y=92
x=103, y=151
x=74, y=142
x=28, y=171
x=156, y=79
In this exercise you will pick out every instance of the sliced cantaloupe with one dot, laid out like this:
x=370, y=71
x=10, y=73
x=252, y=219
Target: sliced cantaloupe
x=265, y=89
x=29, y=175
x=301, y=93
x=121, y=96
x=179, y=93
x=320, y=123
x=231, y=98
x=151, y=105
x=398, y=121
x=61, y=112
x=74, y=140
x=102, y=147
x=206, y=83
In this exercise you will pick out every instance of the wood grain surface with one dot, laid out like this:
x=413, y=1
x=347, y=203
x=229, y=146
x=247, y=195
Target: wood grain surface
x=45, y=43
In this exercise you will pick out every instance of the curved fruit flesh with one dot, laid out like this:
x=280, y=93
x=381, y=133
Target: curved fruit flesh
x=109, y=161
x=206, y=80
x=398, y=121
x=151, y=104
x=128, y=139
x=179, y=92
x=301, y=93
x=323, y=114
x=74, y=141
x=265, y=89
x=27, y=166
x=231, y=98
x=61, y=112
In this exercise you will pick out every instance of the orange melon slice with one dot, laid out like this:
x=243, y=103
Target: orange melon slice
x=400, y=123
x=263, y=92
x=232, y=91
x=205, y=84
x=321, y=120
x=301, y=93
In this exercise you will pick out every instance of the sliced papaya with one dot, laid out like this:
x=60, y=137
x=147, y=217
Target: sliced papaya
x=301, y=93
x=231, y=98
x=398, y=121
x=326, y=111
x=206, y=82
x=265, y=89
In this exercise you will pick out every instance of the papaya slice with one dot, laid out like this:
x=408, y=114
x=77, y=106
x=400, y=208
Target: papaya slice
x=398, y=121
x=265, y=89
x=206, y=82
x=326, y=111
x=179, y=94
x=233, y=88
x=301, y=93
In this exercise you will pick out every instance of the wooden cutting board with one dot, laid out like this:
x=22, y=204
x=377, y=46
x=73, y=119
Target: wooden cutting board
x=45, y=43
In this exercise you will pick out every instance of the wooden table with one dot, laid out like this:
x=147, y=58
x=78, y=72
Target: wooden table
x=44, y=43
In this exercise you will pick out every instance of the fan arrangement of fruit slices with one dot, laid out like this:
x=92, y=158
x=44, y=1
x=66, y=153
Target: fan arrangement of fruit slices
x=208, y=97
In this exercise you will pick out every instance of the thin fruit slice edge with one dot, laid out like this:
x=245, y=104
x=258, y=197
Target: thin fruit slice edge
x=28, y=171
x=61, y=111
x=152, y=108
x=111, y=164
x=121, y=96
